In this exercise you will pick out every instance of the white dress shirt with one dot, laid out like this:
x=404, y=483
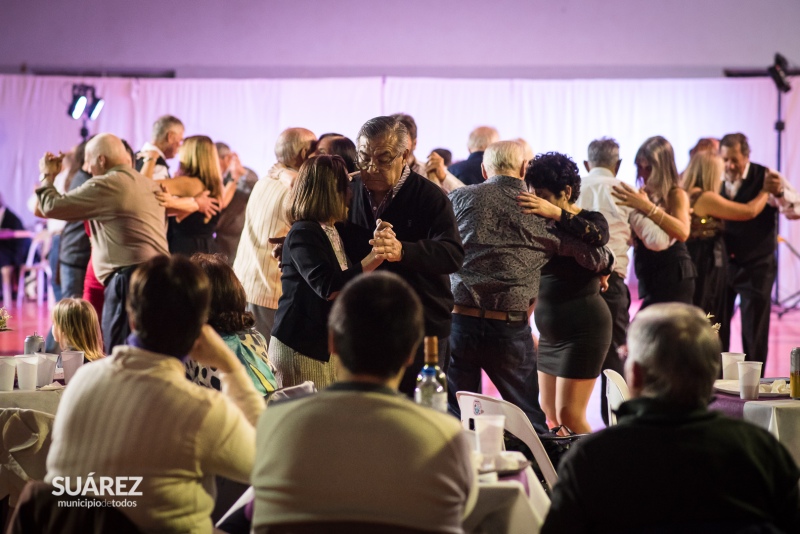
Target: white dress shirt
x=596, y=196
x=160, y=172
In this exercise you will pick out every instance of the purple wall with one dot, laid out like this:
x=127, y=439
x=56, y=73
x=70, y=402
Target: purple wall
x=443, y=38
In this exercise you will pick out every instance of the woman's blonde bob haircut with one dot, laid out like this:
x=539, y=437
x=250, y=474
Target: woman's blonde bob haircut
x=704, y=171
x=199, y=159
x=320, y=191
x=78, y=327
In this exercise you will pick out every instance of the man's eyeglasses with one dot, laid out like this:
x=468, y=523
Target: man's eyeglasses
x=381, y=162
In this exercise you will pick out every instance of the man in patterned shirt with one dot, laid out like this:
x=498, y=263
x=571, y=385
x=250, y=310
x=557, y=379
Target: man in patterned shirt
x=497, y=286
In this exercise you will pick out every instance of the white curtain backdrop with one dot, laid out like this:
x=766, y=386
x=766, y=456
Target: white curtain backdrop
x=551, y=115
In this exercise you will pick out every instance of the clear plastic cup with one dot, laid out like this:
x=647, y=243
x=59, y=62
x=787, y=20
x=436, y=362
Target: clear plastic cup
x=27, y=369
x=71, y=360
x=489, y=430
x=47, y=368
x=8, y=369
x=749, y=379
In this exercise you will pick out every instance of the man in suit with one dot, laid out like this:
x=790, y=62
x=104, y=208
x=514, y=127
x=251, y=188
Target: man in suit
x=358, y=452
x=751, y=244
x=469, y=170
x=231, y=220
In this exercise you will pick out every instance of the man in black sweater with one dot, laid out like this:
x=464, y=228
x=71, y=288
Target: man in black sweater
x=751, y=244
x=670, y=464
x=424, y=245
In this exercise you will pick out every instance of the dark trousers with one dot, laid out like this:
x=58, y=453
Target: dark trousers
x=506, y=352
x=409, y=381
x=114, y=324
x=618, y=299
x=752, y=281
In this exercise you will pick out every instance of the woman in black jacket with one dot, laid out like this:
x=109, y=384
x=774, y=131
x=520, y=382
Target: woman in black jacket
x=314, y=269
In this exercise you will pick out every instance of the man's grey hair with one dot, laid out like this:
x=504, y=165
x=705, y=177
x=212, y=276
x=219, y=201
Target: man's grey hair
x=222, y=149
x=481, y=137
x=291, y=143
x=163, y=125
x=604, y=152
x=678, y=351
x=503, y=157
x=386, y=126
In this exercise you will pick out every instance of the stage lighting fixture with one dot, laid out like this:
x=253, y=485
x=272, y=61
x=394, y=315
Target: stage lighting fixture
x=778, y=73
x=78, y=104
x=96, y=106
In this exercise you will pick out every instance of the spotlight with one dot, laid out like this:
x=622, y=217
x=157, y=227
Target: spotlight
x=78, y=103
x=778, y=73
x=96, y=106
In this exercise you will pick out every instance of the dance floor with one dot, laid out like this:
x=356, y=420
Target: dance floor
x=784, y=334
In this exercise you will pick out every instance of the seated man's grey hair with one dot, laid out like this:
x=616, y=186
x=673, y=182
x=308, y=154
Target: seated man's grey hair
x=163, y=125
x=504, y=157
x=386, y=127
x=604, y=152
x=679, y=352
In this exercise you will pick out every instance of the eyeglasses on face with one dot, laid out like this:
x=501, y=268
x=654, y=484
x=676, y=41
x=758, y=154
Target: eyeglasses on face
x=380, y=162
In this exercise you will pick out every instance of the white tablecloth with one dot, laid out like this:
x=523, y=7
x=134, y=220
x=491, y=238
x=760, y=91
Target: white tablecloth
x=43, y=401
x=781, y=418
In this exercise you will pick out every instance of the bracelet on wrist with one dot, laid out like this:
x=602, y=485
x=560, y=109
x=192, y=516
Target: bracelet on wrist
x=653, y=211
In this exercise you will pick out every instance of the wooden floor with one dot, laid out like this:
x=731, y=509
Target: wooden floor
x=784, y=335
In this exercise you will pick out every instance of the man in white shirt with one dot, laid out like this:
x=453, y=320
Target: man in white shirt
x=134, y=414
x=603, y=165
x=167, y=137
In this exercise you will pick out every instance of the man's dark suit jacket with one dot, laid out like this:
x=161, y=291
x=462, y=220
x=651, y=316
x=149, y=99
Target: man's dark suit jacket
x=469, y=170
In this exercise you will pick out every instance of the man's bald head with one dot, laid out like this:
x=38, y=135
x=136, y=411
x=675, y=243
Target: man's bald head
x=105, y=151
x=294, y=146
x=481, y=137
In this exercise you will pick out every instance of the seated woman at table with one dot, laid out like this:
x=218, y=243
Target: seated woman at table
x=75, y=327
x=235, y=325
x=314, y=270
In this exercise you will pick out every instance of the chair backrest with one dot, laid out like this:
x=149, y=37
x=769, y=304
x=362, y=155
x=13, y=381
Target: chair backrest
x=617, y=392
x=472, y=404
x=41, y=245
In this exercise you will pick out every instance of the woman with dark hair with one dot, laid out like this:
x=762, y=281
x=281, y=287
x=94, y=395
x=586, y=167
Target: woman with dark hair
x=573, y=320
x=664, y=275
x=228, y=317
x=314, y=269
x=345, y=149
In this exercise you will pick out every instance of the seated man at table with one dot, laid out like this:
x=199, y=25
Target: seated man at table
x=670, y=463
x=359, y=452
x=135, y=415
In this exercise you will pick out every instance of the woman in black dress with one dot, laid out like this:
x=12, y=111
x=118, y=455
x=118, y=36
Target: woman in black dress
x=573, y=320
x=664, y=275
x=710, y=210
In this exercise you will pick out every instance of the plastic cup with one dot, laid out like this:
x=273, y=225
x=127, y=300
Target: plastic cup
x=489, y=430
x=47, y=368
x=749, y=379
x=27, y=371
x=8, y=368
x=72, y=361
x=729, y=360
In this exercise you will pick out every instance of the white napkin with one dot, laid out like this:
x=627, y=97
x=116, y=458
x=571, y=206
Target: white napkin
x=779, y=386
x=52, y=387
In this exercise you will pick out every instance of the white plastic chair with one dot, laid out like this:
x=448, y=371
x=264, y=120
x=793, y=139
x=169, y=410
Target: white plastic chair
x=472, y=404
x=617, y=392
x=41, y=244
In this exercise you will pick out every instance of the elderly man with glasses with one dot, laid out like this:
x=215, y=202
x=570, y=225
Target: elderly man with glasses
x=423, y=246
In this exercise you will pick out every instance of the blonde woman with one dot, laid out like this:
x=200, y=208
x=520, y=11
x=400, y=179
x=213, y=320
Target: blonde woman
x=665, y=275
x=190, y=231
x=75, y=327
x=314, y=269
x=702, y=180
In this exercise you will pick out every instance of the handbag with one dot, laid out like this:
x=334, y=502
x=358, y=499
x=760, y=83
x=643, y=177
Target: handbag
x=557, y=446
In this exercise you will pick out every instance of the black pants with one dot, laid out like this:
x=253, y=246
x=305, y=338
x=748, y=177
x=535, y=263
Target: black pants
x=115, y=325
x=409, y=381
x=618, y=299
x=752, y=281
